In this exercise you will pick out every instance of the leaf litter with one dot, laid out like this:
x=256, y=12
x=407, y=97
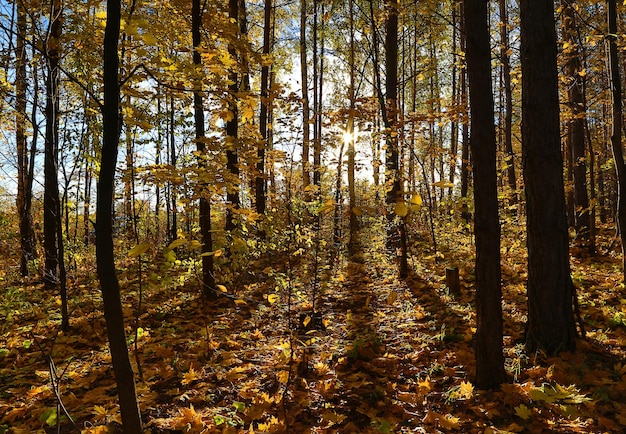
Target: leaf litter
x=386, y=356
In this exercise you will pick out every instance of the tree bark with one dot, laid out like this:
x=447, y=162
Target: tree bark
x=260, y=181
x=208, y=279
x=109, y=285
x=396, y=234
x=616, y=126
x=232, y=131
x=551, y=324
x=508, y=107
x=350, y=131
x=489, y=357
x=576, y=124
x=306, y=131
x=23, y=200
x=51, y=203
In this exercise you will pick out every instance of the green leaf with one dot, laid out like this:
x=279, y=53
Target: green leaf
x=49, y=417
x=239, y=406
x=139, y=332
x=169, y=255
x=385, y=427
x=4, y=352
x=219, y=420
x=138, y=250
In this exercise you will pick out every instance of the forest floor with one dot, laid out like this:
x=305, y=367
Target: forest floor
x=383, y=354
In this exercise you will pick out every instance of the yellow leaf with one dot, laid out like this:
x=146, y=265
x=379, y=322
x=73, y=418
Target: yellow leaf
x=177, y=243
x=189, y=377
x=272, y=298
x=416, y=202
x=99, y=411
x=306, y=321
x=149, y=39
x=426, y=384
x=138, y=250
x=194, y=244
x=401, y=209
x=443, y=184
x=222, y=288
x=466, y=389
x=283, y=377
x=329, y=205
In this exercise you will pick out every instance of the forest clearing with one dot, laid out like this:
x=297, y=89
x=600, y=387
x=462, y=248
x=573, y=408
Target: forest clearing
x=392, y=355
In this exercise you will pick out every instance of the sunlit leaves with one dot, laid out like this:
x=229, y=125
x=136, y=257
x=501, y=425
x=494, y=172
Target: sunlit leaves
x=139, y=249
x=400, y=209
x=190, y=376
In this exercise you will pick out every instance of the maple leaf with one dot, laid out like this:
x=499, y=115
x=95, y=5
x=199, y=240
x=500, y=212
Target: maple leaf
x=425, y=385
x=189, y=376
x=523, y=411
x=466, y=390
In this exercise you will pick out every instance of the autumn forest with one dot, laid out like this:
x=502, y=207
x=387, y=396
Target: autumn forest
x=312, y=216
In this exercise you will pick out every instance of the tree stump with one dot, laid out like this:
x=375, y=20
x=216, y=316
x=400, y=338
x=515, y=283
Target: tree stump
x=452, y=280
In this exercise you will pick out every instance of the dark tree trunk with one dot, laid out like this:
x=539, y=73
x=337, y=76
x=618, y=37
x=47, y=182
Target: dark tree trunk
x=260, y=181
x=551, y=324
x=208, y=280
x=109, y=285
x=318, y=95
x=465, y=149
x=23, y=201
x=576, y=125
x=353, y=225
x=396, y=235
x=616, y=126
x=173, y=199
x=232, y=133
x=51, y=203
x=508, y=96
x=306, y=134
x=489, y=357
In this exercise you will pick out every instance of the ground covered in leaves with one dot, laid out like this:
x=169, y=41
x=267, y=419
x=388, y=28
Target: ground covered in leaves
x=379, y=355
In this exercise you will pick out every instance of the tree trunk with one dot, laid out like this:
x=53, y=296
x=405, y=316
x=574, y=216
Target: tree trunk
x=173, y=199
x=260, y=181
x=23, y=201
x=465, y=150
x=109, y=285
x=208, y=279
x=489, y=357
x=232, y=133
x=616, y=126
x=306, y=135
x=576, y=124
x=350, y=131
x=318, y=96
x=508, y=96
x=551, y=324
x=396, y=235
x=51, y=203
